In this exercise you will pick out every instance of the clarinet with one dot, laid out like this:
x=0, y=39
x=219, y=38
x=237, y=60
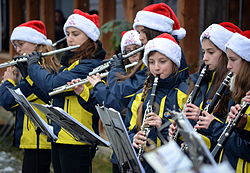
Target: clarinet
x=149, y=109
x=229, y=129
x=216, y=98
x=192, y=96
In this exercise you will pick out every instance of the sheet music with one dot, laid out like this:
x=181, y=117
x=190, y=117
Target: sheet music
x=32, y=114
x=169, y=159
x=120, y=142
x=70, y=124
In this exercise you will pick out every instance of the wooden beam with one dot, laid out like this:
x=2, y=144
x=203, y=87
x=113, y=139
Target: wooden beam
x=188, y=16
x=132, y=7
x=107, y=12
x=32, y=10
x=82, y=5
x=233, y=9
x=246, y=15
x=16, y=18
x=47, y=15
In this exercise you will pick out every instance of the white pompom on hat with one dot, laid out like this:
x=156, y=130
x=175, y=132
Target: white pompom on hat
x=219, y=34
x=33, y=31
x=89, y=24
x=130, y=38
x=160, y=17
x=240, y=44
x=166, y=45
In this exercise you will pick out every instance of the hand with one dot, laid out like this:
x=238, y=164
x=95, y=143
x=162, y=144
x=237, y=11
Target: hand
x=78, y=89
x=34, y=57
x=172, y=129
x=153, y=120
x=247, y=97
x=139, y=139
x=192, y=112
x=232, y=114
x=117, y=61
x=11, y=73
x=22, y=66
x=94, y=79
x=204, y=120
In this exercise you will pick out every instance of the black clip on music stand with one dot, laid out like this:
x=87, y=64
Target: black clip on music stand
x=41, y=125
x=119, y=139
x=196, y=148
x=71, y=125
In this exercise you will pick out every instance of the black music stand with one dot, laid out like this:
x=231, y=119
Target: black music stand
x=120, y=142
x=196, y=148
x=79, y=131
x=41, y=125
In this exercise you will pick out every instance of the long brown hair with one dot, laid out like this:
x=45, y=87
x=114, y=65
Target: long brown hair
x=86, y=50
x=50, y=63
x=242, y=84
x=151, y=33
x=220, y=74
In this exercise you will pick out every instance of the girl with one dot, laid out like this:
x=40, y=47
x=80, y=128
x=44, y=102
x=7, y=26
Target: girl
x=162, y=56
x=148, y=24
x=236, y=148
x=213, y=41
x=69, y=155
x=102, y=93
x=26, y=38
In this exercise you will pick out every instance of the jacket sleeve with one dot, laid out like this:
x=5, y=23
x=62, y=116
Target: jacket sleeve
x=127, y=87
x=129, y=120
x=238, y=145
x=103, y=96
x=6, y=98
x=48, y=81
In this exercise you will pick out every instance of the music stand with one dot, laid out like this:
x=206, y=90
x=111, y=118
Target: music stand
x=196, y=148
x=41, y=125
x=71, y=125
x=120, y=142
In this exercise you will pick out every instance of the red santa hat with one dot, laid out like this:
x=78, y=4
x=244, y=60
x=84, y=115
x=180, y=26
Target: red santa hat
x=33, y=31
x=166, y=45
x=160, y=17
x=219, y=34
x=129, y=38
x=89, y=24
x=240, y=44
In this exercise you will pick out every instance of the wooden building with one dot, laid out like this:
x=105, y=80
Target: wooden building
x=194, y=16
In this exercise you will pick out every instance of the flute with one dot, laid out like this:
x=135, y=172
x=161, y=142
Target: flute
x=25, y=59
x=107, y=64
x=60, y=89
x=192, y=96
x=229, y=129
x=149, y=109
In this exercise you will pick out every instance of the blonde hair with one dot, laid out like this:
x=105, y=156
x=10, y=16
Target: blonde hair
x=50, y=63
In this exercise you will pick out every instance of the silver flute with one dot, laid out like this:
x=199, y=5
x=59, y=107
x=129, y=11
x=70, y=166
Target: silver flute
x=107, y=64
x=24, y=58
x=60, y=89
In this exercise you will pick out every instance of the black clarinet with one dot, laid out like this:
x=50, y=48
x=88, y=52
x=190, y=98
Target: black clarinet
x=149, y=109
x=192, y=96
x=216, y=98
x=229, y=129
